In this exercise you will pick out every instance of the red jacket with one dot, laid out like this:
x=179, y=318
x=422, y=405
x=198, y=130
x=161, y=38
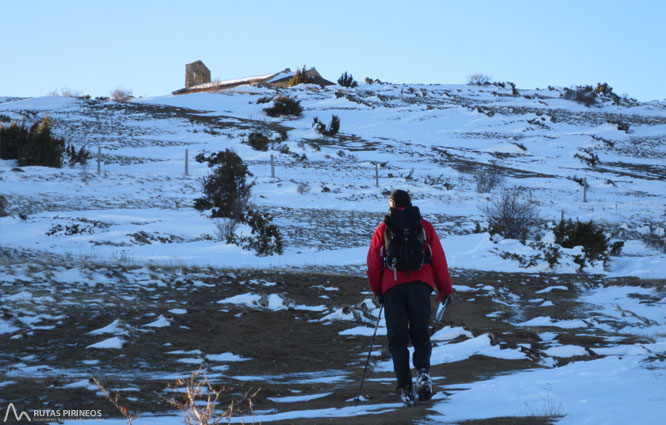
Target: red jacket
x=436, y=274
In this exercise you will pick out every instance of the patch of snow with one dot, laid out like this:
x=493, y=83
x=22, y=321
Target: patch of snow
x=543, y=321
x=225, y=357
x=249, y=299
x=20, y=297
x=161, y=322
x=552, y=288
x=566, y=351
x=363, y=331
x=448, y=333
x=297, y=398
x=116, y=327
x=585, y=392
x=6, y=327
x=114, y=343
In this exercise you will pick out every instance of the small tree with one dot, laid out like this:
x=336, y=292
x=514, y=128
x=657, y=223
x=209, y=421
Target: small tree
x=284, y=105
x=333, y=127
x=11, y=138
x=347, y=80
x=511, y=216
x=302, y=77
x=267, y=238
x=40, y=147
x=588, y=156
x=226, y=190
x=258, y=140
x=227, y=195
x=588, y=235
x=81, y=156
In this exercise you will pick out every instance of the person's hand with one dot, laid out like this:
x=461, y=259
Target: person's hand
x=380, y=299
x=448, y=300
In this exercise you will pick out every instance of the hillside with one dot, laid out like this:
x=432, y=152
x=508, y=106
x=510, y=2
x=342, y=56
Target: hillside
x=81, y=250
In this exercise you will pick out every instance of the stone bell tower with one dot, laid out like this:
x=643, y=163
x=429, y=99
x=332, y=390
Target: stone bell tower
x=196, y=73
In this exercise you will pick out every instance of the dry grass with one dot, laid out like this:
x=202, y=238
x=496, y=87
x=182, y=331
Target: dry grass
x=197, y=399
x=121, y=95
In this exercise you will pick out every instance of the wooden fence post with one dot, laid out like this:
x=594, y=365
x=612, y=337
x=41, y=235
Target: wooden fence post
x=186, y=163
x=272, y=166
x=585, y=190
x=376, y=174
x=99, y=159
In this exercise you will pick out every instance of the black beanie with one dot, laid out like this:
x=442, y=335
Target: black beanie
x=400, y=198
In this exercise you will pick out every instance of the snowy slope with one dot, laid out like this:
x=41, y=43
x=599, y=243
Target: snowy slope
x=428, y=139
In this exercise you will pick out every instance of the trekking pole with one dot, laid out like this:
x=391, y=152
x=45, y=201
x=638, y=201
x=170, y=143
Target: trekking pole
x=367, y=361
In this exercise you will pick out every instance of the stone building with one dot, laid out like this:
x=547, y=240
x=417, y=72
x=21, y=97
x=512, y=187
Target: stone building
x=197, y=79
x=196, y=73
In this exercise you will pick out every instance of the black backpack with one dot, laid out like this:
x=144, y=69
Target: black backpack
x=405, y=240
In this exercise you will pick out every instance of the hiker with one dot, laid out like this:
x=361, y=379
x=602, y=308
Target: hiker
x=405, y=263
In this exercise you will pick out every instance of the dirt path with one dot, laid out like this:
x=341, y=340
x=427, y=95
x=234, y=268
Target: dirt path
x=290, y=345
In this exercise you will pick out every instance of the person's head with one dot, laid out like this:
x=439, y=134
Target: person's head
x=400, y=199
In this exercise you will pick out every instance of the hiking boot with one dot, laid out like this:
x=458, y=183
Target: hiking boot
x=407, y=396
x=423, y=385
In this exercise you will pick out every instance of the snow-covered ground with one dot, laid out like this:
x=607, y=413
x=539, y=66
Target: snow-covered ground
x=427, y=139
x=430, y=140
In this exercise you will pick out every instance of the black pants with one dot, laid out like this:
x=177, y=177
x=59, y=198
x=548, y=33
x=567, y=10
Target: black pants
x=408, y=318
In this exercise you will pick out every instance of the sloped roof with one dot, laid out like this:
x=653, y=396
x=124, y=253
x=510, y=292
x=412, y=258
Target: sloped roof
x=277, y=77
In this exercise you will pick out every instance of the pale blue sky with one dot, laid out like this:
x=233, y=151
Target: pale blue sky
x=94, y=46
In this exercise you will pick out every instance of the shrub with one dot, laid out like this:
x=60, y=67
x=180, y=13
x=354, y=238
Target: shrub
x=303, y=188
x=121, y=95
x=266, y=237
x=479, y=79
x=582, y=182
x=264, y=99
x=552, y=255
x=487, y=178
x=227, y=194
x=199, y=401
x=259, y=141
x=35, y=146
x=284, y=105
x=655, y=238
x=347, y=80
x=11, y=137
x=67, y=92
x=581, y=94
x=588, y=235
x=588, y=156
x=301, y=77
x=332, y=129
x=78, y=157
x=41, y=147
x=511, y=216
x=604, y=89
x=226, y=228
x=226, y=191
x=514, y=90
x=622, y=126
